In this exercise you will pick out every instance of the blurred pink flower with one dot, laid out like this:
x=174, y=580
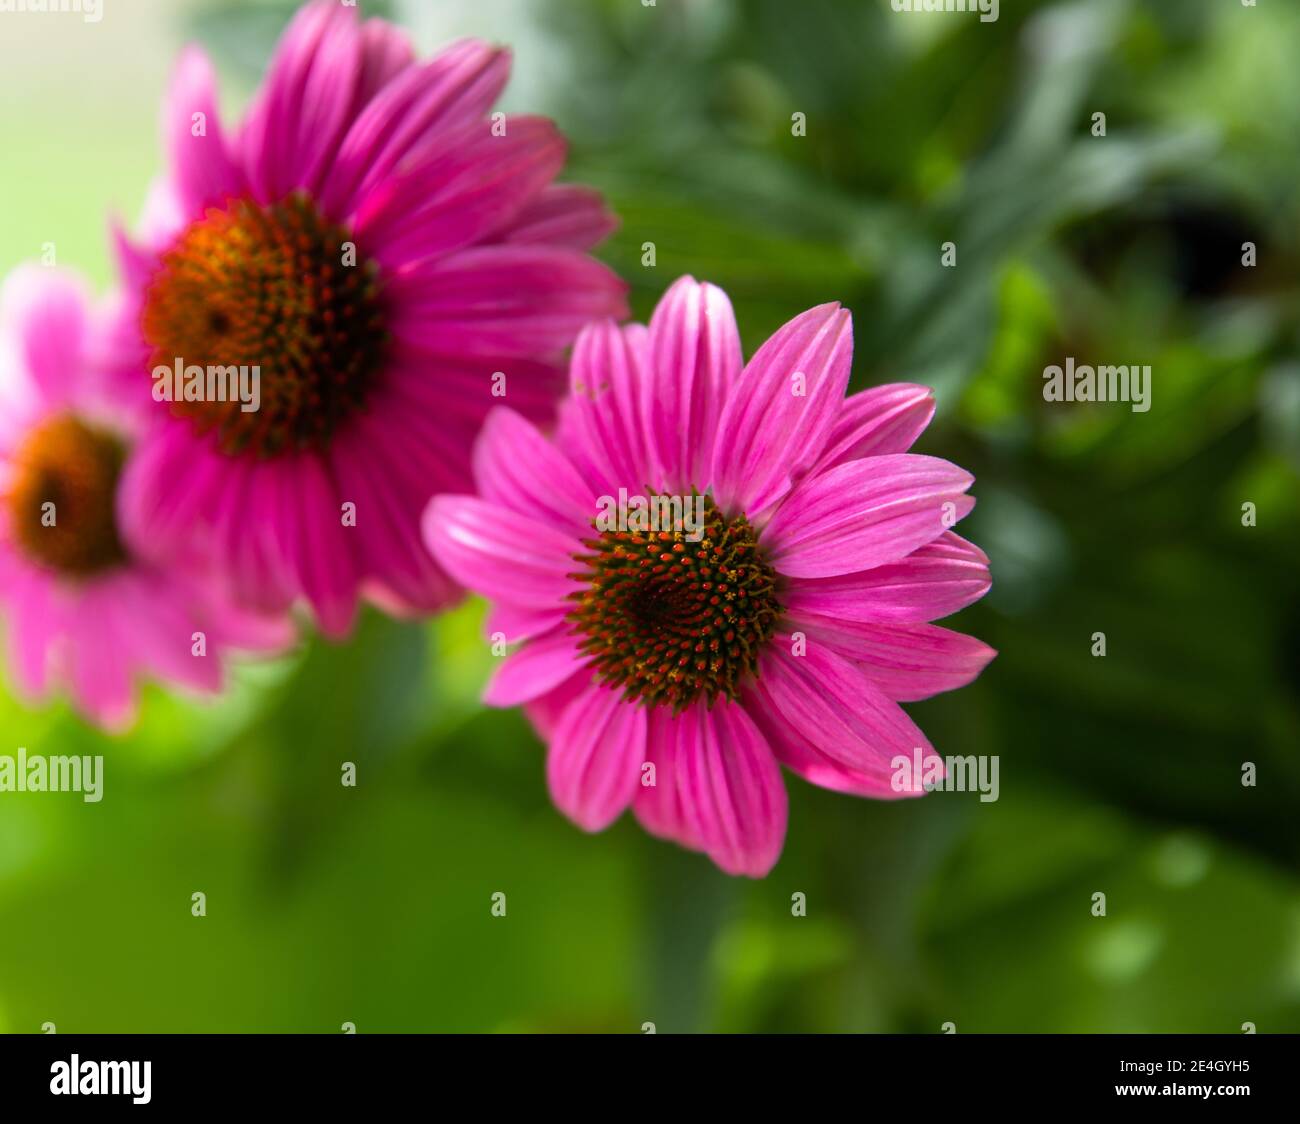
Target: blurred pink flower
x=788, y=633
x=83, y=608
x=379, y=247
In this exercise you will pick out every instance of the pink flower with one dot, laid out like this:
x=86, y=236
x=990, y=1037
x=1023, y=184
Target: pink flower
x=83, y=608
x=789, y=632
x=394, y=262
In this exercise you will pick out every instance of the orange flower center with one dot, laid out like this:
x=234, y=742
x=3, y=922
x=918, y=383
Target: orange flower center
x=61, y=499
x=672, y=620
x=275, y=296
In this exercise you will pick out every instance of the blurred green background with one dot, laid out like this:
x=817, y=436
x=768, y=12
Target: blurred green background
x=1118, y=774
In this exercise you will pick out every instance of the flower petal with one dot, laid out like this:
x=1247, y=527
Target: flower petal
x=460, y=194
x=564, y=214
x=729, y=789
x=594, y=763
x=865, y=513
x=906, y=661
x=160, y=637
x=512, y=624
x=203, y=165
x=295, y=126
x=832, y=706
x=385, y=465
x=794, y=751
x=499, y=553
x=658, y=807
x=516, y=467
x=600, y=422
x=99, y=679
x=539, y=666
x=320, y=548
x=407, y=118
x=781, y=411
x=884, y=419
x=546, y=712
x=33, y=628
x=695, y=357
x=386, y=52
x=508, y=300
x=933, y=581
x=45, y=312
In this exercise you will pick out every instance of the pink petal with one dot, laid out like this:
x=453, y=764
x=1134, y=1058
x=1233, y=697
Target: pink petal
x=659, y=807
x=500, y=553
x=238, y=628
x=248, y=516
x=449, y=391
x=546, y=712
x=457, y=196
x=45, y=312
x=99, y=678
x=297, y=123
x=793, y=750
x=513, y=624
x=152, y=514
x=884, y=419
x=406, y=118
x=161, y=636
x=163, y=215
x=511, y=301
x=769, y=432
x=601, y=423
x=832, y=706
x=933, y=581
x=516, y=467
x=275, y=525
x=388, y=471
x=906, y=661
x=594, y=763
x=717, y=789
x=695, y=357
x=135, y=264
x=33, y=628
x=204, y=169
x=540, y=666
x=440, y=405
x=865, y=513
x=386, y=53
x=321, y=547
x=562, y=215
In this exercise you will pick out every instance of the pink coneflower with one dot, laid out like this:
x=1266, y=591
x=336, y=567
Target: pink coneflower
x=395, y=260
x=83, y=609
x=673, y=669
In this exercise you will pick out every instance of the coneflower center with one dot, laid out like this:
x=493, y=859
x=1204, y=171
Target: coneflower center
x=61, y=498
x=672, y=620
x=278, y=289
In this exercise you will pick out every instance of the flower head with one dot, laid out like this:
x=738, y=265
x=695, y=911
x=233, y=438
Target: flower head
x=84, y=608
x=779, y=613
x=391, y=261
